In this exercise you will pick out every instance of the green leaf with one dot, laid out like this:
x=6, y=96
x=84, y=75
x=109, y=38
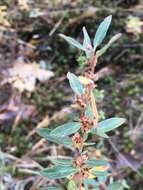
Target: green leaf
x=89, y=143
x=94, y=163
x=101, y=31
x=102, y=179
x=45, y=133
x=50, y=188
x=99, y=173
x=86, y=41
x=62, y=162
x=71, y=185
x=115, y=185
x=2, y=156
x=101, y=134
x=87, y=44
x=88, y=112
x=66, y=129
x=105, y=48
x=98, y=133
x=124, y=184
x=75, y=84
x=109, y=124
x=88, y=183
x=72, y=41
x=58, y=172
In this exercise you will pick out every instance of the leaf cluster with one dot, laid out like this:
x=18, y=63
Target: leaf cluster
x=66, y=134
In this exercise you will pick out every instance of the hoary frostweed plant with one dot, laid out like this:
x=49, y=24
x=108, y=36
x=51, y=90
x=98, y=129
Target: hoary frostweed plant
x=83, y=172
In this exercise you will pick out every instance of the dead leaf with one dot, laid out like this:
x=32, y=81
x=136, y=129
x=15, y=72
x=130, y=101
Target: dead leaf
x=134, y=25
x=3, y=17
x=23, y=76
x=23, y=5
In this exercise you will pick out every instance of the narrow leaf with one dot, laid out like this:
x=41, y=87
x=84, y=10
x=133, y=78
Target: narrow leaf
x=88, y=112
x=58, y=172
x=87, y=44
x=101, y=134
x=72, y=41
x=93, y=163
x=98, y=133
x=89, y=143
x=102, y=179
x=71, y=185
x=99, y=173
x=62, y=162
x=109, y=124
x=66, y=129
x=105, y=48
x=115, y=185
x=50, y=188
x=86, y=41
x=88, y=183
x=101, y=31
x=75, y=84
x=45, y=133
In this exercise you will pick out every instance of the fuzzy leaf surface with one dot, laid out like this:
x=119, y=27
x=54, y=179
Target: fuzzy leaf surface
x=115, y=185
x=88, y=112
x=71, y=185
x=105, y=48
x=72, y=41
x=50, y=188
x=86, y=41
x=62, y=162
x=66, y=129
x=91, y=183
x=75, y=84
x=58, y=172
x=99, y=173
x=109, y=124
x=101, y=31
x=93, y=163
x=45, y=133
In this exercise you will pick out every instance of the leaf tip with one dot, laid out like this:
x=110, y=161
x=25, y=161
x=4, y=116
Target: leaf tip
x=61, y=35
x=68, y=74
x=109, y=18
x=83, y=29
x=123, y=120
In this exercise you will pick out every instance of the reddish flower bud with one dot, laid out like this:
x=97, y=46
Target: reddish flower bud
x=78, y=140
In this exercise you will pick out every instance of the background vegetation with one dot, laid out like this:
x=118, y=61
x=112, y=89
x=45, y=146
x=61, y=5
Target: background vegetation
x=34, y=92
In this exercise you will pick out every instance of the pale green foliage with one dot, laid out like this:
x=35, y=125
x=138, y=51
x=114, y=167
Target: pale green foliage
x=44, y=132
x=72, y=41
x=101, y=31
x=71, y=185
x=75, y=84
x=104, y=49
x=93, y=163
x=100, y=34
x=66, y=129
x=119, y=185
x=107, y=125
x=63, y=134
x=62, y=162
x=110, y=124
x=86, y=41
x=58, y=172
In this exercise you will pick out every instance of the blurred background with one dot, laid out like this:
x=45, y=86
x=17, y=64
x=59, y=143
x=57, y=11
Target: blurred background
x=34, y=91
